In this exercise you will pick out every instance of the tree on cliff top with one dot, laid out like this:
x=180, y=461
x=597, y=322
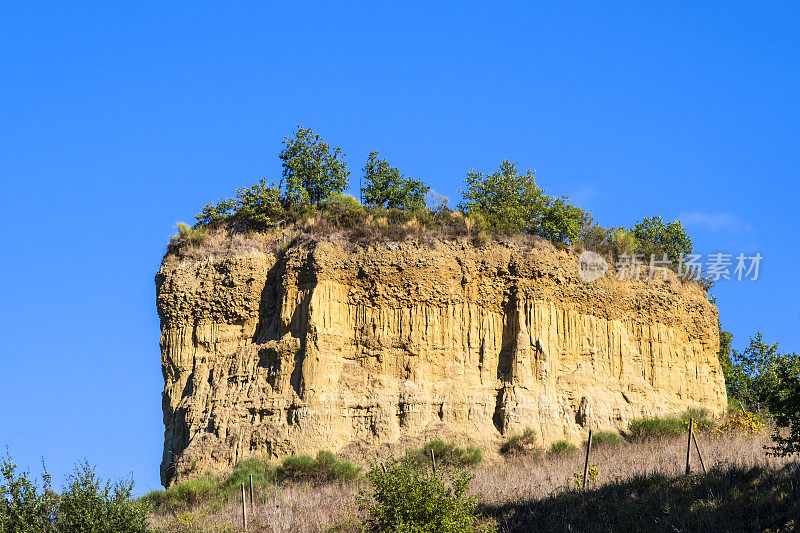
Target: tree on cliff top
x=655, y=237
x=311, y=169
x=512, y=203
x=385, y=186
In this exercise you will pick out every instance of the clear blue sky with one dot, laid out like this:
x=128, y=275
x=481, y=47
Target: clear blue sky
x=118, y=120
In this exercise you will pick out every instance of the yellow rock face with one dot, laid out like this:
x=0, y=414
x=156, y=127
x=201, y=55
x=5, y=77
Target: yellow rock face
x=364, y=352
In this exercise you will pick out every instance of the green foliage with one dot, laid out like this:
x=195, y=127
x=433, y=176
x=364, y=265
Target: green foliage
x=561, y=222
x=524, y=444
x=188, y=235
x=509, y=202
x=326, y=467
x=89, y=504
x=650, y=428
x=24, y=506
x=764, y=380
x=784, y=404
x=185, y=493
x=446, y=454
x=264, y=475
x=561, y=447
x=343, y=210
x=655, y=237
x=512, y=203
x=606, y=438
x=411, y=500
x=623, y=242
x=591, y=477
x=385, y=186
x=260, y=205
x=216, y=212
x=311, y=169
x=92, y=505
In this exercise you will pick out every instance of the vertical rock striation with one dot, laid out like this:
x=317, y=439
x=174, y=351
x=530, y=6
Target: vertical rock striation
x=367, y=350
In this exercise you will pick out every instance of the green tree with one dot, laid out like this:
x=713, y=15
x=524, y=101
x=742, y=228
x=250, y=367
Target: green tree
x=24, y=507
x=508, y=201
x=260, y=204
x=385, y=186
x=92, y=506
x=311, y=169
x=562, y=222
x=784, y=404
x=655, y=237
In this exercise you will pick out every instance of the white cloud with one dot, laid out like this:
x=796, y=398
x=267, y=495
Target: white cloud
x=715, y=222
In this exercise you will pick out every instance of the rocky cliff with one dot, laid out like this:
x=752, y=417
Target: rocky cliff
x=364, y=350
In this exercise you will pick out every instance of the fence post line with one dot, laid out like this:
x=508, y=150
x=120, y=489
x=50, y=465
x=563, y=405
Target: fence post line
x=696, y=447
x=244, y=512
x=689, y=446
x=433, y=462
x=586, y=463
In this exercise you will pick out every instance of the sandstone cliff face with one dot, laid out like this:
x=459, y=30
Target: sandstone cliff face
x=359, y=351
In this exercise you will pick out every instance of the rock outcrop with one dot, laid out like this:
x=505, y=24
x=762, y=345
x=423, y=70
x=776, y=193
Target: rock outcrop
x=364, y=350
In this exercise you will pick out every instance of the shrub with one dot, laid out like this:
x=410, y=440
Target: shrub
x=87, y=505
x=524, y=444
x=264, y=475
x=446, y=454
x=701, y=417
x=606, y=438
x=24, y=506
x=561, y=447
x=92, y=505
x=741, y=422
x=326, y=467
x=344, y=210
x=650, y=428
x=408, y=499
x=188, y=235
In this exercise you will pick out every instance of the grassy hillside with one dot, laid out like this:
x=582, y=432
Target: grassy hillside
x=639, y=485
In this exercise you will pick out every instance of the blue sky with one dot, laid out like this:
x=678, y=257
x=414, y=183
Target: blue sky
x=118, y=120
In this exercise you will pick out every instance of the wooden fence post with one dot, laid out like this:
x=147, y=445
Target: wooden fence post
x=696, y=447
x=244, y=512
x=433, y=462
x=586, y=463
x=251, y=493
x=689, y=446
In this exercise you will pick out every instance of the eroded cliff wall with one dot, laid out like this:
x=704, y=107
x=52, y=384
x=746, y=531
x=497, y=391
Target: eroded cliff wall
x=361, y=351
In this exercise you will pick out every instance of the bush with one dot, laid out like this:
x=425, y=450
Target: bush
x=561, y=447
x=408, y=499
x=264, y=475
x=606, y=438
x=446, y=454
x=650, y=428
x=524, y=444
x=188, y=235
x=326, y=467
x=24, y=506
x=90, y=504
